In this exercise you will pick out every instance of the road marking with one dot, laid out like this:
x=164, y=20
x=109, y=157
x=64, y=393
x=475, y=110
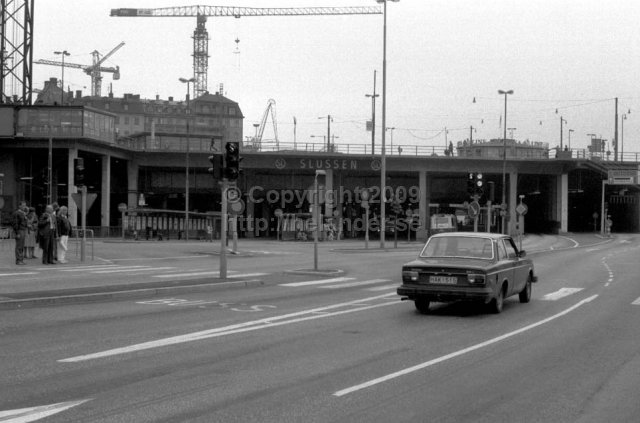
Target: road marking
x=182, y=275
x=636, y=302
x=142, y=269
x=384, y=288
x=24, y=415
x=458, y=353
x=352, y=284
x=246, y=275
x=265, y=323
x=562, y=292
x=317, y=282
x=19, y=274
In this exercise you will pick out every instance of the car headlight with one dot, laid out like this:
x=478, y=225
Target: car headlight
x=476, y=278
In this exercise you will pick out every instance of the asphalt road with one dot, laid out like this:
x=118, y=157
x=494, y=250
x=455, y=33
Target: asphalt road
x=304, y=348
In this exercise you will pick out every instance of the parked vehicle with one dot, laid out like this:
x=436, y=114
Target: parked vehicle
x=469, y=266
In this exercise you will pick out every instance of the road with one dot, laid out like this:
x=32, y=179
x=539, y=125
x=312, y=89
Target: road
x=337, y=349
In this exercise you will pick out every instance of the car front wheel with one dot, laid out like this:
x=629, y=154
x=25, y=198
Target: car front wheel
x=525, y=294
x=422, y=305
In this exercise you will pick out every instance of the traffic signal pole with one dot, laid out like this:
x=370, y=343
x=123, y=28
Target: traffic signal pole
x=223, y=230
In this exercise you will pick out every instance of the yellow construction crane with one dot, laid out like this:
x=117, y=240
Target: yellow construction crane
x=95, y=70
x=201, y=36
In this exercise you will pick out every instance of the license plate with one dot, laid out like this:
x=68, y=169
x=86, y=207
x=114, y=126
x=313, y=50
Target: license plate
x=446, y=280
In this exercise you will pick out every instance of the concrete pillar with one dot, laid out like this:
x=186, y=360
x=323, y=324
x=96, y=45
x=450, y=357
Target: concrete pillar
x=562, y=202
x=132, y=177
x=74, y=219
x=423, y=210
x=105, y=199
x=512, y=200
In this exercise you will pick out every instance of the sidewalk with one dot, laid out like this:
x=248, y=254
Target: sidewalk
x=39, y=289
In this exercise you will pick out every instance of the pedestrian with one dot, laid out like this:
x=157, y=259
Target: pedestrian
x=64, y=230
x=32, y=229
x=47, y=234
x=19, y=224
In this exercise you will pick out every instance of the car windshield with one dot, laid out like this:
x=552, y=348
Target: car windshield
x=458, y=246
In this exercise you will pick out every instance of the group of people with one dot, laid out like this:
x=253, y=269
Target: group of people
x=50, y=232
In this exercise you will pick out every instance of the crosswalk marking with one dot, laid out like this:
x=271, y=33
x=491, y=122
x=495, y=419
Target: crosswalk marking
x=142, y=269
x=18, y=274
x=562, y=292
x=103, y=268
x=636, y=302
x=352, y=284
x=317, y=282
x=247, y=275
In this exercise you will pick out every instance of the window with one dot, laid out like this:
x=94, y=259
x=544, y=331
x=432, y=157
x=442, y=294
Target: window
x=502, y=251
x=136, y=120
x=126, y=120
x=512, y=252
x=126, y=107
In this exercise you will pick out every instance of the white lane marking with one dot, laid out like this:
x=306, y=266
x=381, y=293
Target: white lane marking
x=575, y=243
x=446, y=357
x=384, y=287
x=317, y=282
x=162, y=258
x=89, y=268
x=31, y=414
x=246, y=275
x=352, y=284
x=19, y=274
x=562, y=292
x=636, y=302
x=182, y=275
x=284, y=319
x=142, y=269
x=589, y=250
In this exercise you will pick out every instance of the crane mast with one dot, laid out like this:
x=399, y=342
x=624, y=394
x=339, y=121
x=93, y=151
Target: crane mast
x=201, y=36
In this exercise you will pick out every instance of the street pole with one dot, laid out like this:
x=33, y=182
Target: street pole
x=62, y=53
x=223, y=230
x=504, y=162
x=373, y=114
x=328, y=133
x=615, y=141
x=186, y=176
x=83, y=240
x=50, y=169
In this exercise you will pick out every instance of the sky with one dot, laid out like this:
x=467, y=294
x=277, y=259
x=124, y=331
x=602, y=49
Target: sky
x=564, y=59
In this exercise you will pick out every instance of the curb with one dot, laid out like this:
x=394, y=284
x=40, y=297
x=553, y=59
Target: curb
x=13, y=304
x=319, y=272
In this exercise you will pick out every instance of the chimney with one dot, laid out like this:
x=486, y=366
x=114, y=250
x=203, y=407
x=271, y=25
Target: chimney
x=78, y=93
x=170, y=98
x=157, y=97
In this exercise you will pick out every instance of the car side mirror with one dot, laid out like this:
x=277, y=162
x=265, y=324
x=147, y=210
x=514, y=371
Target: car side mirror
x=522, y=253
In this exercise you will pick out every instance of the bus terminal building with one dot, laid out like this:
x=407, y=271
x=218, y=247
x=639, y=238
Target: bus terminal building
x=139, y=154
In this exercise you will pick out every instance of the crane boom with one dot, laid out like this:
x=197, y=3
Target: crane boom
x=201, y=36
x=200, y=10
x=74, y=66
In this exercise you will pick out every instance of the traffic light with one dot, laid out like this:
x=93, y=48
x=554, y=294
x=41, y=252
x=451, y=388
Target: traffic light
x=78, y=171
x=479, y=189
x=232, y=160
x=471, y=185
x=216, y=166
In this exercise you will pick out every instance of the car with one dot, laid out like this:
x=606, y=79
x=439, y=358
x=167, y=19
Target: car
x=468, y=266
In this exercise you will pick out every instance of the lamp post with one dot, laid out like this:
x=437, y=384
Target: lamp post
x=62, y=53
x=562, y=120
x=624, y=117
x=504, y=159
x=317, y=217
x=186, y=184
x=373, y=114
x=511, y=130
x=324, y=140
x=391, y=129
x=570, y=131
x=329, y=120
x=255, y=139
x=383, y=158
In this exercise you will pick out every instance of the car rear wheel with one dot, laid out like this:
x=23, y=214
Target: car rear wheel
x=422, y=305
x=496, y=304
x=525, y=294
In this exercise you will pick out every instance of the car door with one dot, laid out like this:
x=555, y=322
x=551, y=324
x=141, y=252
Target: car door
x=505, y=265
x=519, y=268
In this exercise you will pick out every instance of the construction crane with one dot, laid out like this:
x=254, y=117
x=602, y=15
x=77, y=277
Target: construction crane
x=95, y=70
x=271, y=107
x=201, y=36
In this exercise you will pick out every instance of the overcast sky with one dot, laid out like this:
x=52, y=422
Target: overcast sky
x=575, y=56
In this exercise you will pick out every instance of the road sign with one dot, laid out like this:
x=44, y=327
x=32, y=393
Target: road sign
x=522, y=209
x=77, y=198
x=237, y=207
x=474, y=209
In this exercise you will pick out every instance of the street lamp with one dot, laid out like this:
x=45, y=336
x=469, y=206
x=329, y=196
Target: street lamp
x=511, y=132
x=373, y=114
x=391, y=129
x=383, y=158
x=62, y=53
x=504, y=158
x=255, y=139
x=324, y=139
x=186, y=184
